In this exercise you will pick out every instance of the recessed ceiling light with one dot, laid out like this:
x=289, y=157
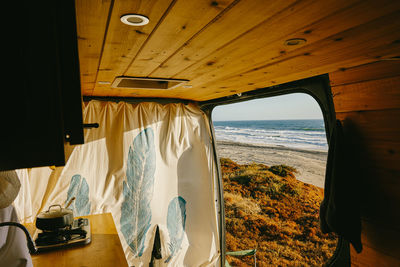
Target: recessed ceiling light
x=134, y=20
x=295, y=41
x=103, y=82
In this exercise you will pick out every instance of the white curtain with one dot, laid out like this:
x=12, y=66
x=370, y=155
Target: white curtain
x=148, y=164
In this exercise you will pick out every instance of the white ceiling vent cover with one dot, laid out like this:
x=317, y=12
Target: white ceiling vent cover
x=146, y=83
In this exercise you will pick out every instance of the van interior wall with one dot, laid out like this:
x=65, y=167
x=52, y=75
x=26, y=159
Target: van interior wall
x=367, y=101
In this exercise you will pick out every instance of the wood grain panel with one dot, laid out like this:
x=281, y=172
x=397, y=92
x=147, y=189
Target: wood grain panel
x=383, y=154
x=379, y=129
x=237, y=21
x=367, y=72
x=91, y=18
x=327, y=55
x=378, y=134
x=123, y=42
x=264, y=42
x=231, y=46
x=304, y=10
x=184, y=20
x=370, y=95
x=264, y=46
x=218, y=88
x=383, y=238
x=380, y=195
x=373, y=112
x=370, y=257
x=376, y=124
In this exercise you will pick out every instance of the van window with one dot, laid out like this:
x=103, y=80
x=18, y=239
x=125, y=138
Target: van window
x=273, y=154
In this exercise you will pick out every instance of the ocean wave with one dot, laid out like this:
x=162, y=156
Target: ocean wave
x=316, y=145
x=301, y=137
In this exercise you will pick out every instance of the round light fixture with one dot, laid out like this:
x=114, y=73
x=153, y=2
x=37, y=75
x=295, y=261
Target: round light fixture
x=134, y=20
x=295, y=41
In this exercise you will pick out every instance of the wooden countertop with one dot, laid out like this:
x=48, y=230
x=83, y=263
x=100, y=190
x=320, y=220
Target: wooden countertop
x=104, y=250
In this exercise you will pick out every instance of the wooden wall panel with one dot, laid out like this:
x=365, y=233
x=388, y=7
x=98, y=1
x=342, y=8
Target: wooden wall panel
x=379, y=192
x=382, y=238
x=367, y=97
x=381, y=246
x=183, y=21
x=388, y=191
x=123, y=42
x=370, y=95
x=91, y=30
x=369, y=72
x=349, y=48
x=376, y=258
x=226, y=47
x=224, y=30
x=375, y=124
x=265, y=43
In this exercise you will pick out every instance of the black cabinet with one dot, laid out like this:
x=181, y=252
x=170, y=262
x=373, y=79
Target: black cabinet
x=41, y=103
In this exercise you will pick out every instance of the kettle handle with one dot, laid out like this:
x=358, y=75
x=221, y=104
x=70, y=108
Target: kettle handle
x=55, y=205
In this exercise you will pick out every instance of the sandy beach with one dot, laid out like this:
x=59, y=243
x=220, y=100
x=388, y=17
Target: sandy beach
x=310, y=164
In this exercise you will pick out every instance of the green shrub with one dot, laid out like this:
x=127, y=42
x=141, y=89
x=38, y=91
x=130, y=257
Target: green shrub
x=282, y=170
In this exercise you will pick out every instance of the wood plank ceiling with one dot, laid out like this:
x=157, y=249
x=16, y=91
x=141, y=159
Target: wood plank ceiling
x=225, y=47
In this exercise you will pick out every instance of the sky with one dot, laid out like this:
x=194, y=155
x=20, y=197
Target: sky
x=286, y=107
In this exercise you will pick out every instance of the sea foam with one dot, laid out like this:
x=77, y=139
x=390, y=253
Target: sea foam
x=303, y=134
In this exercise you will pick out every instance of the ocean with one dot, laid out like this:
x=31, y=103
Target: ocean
x=300, y=134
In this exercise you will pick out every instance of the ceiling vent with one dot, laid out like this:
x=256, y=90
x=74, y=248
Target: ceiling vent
x=146, y=83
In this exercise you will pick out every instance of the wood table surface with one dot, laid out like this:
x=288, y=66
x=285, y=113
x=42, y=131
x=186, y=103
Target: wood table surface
x=104, y=250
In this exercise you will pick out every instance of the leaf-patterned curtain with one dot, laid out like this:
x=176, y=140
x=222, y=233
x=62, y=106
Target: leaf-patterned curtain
x=150, y=165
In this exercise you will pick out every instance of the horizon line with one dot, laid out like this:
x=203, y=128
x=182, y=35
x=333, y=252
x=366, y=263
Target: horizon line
x=272, y=120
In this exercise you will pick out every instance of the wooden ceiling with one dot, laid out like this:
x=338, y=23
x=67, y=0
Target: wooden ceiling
x=225, y=47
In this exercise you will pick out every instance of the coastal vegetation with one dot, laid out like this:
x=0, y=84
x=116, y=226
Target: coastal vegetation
x=267, y=209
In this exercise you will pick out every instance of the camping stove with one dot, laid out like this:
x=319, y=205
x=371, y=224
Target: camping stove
x=76, y=233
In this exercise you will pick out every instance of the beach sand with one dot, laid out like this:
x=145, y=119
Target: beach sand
x=310, y=164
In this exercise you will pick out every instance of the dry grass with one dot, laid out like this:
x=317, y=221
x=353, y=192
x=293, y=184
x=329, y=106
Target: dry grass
x=268, y=209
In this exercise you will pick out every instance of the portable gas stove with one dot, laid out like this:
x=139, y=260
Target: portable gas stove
x=76, y=233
